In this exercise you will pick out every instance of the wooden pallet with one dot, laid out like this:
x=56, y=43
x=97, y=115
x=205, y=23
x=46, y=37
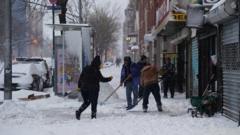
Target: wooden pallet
x=34, y=97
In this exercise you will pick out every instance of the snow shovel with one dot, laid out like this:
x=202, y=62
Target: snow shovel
x=115, y=90
x=104, y=101
x=209, y=83
x=135, y=104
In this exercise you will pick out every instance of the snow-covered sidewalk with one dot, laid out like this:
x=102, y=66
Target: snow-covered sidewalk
x=56, y=116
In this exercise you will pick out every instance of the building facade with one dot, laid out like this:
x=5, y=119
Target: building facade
x=203, y=47
x=225, y=17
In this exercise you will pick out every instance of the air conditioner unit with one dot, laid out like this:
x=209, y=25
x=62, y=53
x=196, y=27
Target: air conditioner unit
x=222, y=11
x=209, y=2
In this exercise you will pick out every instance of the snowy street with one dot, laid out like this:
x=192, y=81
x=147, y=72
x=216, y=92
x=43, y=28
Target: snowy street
x=56, y=116
x=143, y=67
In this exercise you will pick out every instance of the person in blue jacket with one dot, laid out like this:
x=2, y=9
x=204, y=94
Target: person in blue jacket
x=130, y=78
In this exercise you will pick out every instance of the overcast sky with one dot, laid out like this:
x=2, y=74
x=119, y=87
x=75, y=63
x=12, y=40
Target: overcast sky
x=122, y=3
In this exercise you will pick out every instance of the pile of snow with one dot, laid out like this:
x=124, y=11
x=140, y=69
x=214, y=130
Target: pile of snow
x=16, y=111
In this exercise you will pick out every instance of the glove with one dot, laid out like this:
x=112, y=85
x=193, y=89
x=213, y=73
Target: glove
x=111, y=77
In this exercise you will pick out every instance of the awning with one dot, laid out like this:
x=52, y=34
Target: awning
x=180, y=36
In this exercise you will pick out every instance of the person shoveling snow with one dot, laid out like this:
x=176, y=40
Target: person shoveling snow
x=89, y=85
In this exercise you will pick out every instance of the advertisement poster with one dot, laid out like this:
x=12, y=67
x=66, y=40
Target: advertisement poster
x=69, y=61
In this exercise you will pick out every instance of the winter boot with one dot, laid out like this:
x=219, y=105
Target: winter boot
x=129, y=107
x=78, y=113
x=159, y=108
x=94, y=115
x=144, y=110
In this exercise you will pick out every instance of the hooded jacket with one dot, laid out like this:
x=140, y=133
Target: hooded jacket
x=91, y=76
x=131, y=69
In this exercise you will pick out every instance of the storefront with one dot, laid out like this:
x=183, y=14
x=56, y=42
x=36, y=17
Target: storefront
x=231, y=69
x=195, y=69
x=224, y=14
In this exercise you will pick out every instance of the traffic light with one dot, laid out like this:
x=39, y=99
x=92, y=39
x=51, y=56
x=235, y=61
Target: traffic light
x=63, y=5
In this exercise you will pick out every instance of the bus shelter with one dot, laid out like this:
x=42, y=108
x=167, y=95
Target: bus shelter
x=73, y=51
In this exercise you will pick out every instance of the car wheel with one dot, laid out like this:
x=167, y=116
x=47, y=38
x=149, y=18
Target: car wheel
x=35, y=85
x=40, y=85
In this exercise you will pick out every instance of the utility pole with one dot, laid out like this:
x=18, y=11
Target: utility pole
x=54, y=56
x=54, y=51
x=80, y=11
x=239, y=44
x=8, y=49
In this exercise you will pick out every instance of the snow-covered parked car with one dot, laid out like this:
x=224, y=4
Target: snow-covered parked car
x=24, y=76
x=42, y=66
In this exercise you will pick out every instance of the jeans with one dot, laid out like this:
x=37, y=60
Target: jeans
x=140, y=93
x=155, y=90
x=130, y=88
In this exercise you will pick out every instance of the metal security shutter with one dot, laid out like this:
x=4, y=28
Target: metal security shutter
x=195, y=65
x=231, y=70
x=230, y=32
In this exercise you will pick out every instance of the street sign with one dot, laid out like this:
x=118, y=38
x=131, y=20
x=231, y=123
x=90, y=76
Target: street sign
x=53, y=1
x=55, y=7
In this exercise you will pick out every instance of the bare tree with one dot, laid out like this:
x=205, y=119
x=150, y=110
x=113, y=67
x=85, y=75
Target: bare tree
x=106, y=23
x=73, y=13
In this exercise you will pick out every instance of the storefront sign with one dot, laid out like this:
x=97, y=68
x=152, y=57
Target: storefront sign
x=179, y=17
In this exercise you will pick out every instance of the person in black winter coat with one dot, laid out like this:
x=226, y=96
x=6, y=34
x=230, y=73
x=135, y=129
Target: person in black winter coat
x=168, y=78
x=89, y=85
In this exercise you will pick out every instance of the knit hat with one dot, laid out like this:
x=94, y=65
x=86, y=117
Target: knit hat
x=127, y=58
